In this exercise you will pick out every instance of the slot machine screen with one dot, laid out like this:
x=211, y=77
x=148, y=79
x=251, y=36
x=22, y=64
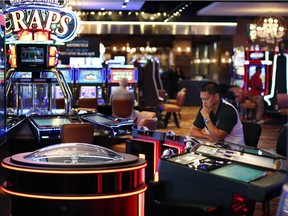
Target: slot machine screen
x=58, y=92
x=91, y=75
x=88, y=91
x=29, y=55
x=116, y=74
x=252, y=70
x=22, y=75
x=68, y=75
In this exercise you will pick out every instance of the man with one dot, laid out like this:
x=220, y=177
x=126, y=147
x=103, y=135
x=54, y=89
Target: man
x=123, y=93
x=218, y=117
x=256, y=91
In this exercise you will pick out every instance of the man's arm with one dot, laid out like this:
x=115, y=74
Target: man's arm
x=197, y=132
x=215, y=133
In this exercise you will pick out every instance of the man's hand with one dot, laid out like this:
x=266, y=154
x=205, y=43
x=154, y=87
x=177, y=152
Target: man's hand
x=205, y=112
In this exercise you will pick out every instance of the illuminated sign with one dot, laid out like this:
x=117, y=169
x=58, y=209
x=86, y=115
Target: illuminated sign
x=40, y=20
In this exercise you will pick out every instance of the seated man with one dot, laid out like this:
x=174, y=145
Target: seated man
x=218, y=117
x=123, y=93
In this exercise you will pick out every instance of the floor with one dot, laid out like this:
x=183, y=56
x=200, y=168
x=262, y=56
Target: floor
x=270, y=131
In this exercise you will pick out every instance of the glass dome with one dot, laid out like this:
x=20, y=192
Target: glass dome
x=74, y=153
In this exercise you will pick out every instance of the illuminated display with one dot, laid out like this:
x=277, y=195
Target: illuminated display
x=88, y=92
x=32, y=54
x=40, y=21
x=117, y=73
x=91, y=75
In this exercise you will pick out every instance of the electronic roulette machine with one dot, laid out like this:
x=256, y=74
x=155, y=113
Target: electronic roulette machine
x=223, y=176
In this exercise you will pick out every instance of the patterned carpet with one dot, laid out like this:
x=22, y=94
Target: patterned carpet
x=268, y=138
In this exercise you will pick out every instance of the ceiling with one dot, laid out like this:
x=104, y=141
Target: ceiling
x=199, y=8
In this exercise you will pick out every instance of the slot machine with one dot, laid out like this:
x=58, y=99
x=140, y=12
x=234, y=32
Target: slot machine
x=91, y=83
x=279, y=78
x=114, y=74
x=253, y=59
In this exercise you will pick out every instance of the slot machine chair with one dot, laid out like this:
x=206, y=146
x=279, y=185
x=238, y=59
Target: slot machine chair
x=174, y=101
x=122, y=108
x=252, y=132
x=174, y=108
x=247, y=106
x=60, y=103
x=88, y=104
x=282, y=102
x=77, y=132
x=281, y=145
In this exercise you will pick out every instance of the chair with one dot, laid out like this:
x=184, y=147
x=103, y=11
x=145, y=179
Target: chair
x=252, y=132
x=174, y=101
x=60, y=103
x=174, y=108
x=122, y=108
x=88, y=104
x=281, y=144
x=77, y=132
x=144, y=115
x=282, y=102
x=247, y=106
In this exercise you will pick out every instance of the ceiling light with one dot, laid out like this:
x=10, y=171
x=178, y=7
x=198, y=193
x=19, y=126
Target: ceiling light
x=269, y=29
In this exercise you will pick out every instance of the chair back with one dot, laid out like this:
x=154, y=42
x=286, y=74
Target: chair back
x=77, y=132
x=150, y=123
x=60, y=103
x=181, y=98
x=282, y=100
x=144, y=115
x=252, y=132
x=281, y=144
x=90, y=103
x=122, y=108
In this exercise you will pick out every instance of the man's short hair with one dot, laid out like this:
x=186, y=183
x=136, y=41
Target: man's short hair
x=210, y=87
x=123, y=82
x=258, y=67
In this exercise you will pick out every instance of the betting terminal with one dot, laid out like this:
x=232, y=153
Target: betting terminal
x=197, y=176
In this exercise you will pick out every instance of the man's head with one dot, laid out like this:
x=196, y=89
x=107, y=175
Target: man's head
x=258, y=68
x=123, y=82
x=210, y=94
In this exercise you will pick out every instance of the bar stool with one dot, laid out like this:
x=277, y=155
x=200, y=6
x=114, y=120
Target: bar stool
x=77, y=132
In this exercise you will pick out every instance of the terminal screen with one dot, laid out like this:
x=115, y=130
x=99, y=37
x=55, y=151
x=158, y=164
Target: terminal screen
x=239, y=172
x=51, y=121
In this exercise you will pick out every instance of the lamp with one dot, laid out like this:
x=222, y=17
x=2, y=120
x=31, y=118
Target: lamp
x=269, y=29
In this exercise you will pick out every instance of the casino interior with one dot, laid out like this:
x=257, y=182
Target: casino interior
x=64, y=152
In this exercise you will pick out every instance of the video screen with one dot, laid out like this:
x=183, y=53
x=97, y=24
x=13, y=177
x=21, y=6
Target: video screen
x=91, y=75
x=239, y=172
x=22, y=75
x=252, y=70
x=116, y=74
x=50, y=121
x=58, y=92
x=32, y=54
x=88, y=92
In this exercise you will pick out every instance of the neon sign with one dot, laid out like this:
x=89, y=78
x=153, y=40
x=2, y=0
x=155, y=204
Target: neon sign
x=60, y=24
